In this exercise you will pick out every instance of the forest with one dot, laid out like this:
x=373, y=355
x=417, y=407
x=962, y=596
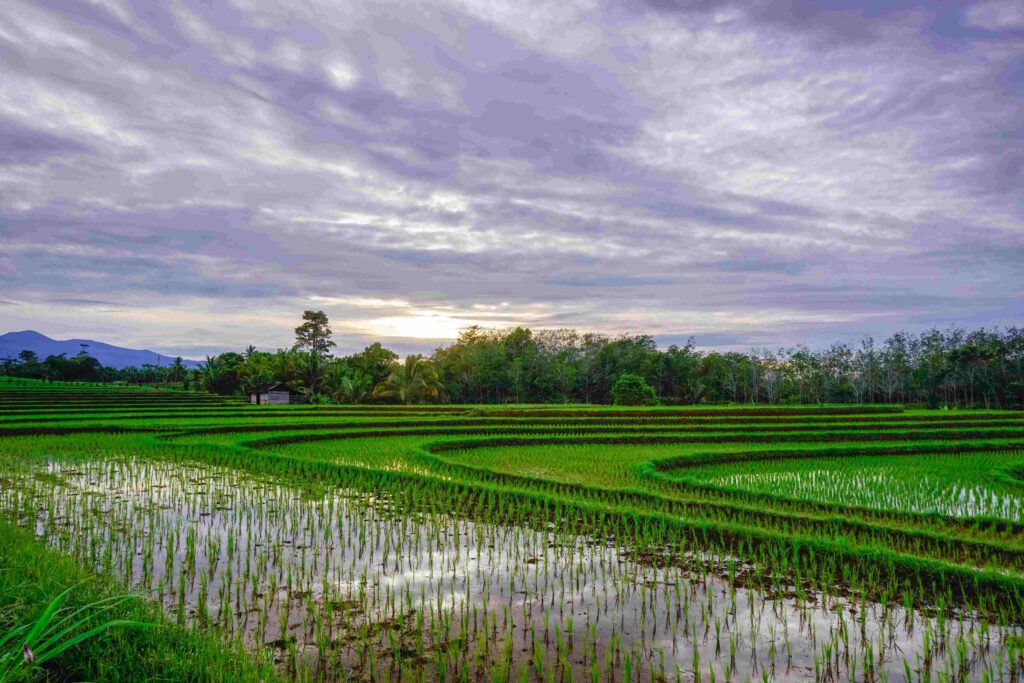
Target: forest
x=935, y=368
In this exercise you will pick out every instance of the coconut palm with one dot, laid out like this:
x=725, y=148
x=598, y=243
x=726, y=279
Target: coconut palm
x=415, y=380
x=176, y=373
x=256, y=372
x=352, y=387
x=211, y=372
x=286, y=365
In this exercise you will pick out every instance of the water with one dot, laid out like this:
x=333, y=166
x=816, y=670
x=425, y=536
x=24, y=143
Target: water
x=928, y=484
x=339, y=583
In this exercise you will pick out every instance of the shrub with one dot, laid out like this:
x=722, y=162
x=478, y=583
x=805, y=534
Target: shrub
x=632, y=390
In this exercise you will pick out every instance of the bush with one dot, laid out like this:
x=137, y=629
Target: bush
x=632, y=390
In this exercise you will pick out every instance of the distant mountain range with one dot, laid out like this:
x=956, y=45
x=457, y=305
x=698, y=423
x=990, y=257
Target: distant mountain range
x=13, y=343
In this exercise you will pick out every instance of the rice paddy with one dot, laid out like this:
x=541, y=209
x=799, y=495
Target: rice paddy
x=539, y=543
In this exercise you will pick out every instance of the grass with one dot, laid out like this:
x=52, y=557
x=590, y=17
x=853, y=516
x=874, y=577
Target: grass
x=135, y=643
x=545, y=542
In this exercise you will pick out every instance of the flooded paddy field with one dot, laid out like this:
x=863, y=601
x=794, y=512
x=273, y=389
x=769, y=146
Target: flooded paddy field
x=924, y=484
x=380, y=543
x=342, y=584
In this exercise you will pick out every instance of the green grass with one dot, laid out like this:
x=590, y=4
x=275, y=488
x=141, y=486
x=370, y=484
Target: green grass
x=960, y=486
x=910, y=506
x=32, y=576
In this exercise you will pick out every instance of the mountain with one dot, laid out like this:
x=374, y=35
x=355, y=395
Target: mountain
x=13, y=343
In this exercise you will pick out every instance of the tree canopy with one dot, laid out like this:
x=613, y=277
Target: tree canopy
x=314, y=334
x=632, y=390
x=954, y=367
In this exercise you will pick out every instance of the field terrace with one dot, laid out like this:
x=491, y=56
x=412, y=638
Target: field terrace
x=541, y=542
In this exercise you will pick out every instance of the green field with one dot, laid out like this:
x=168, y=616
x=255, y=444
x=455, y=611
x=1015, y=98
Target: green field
x=547, y=543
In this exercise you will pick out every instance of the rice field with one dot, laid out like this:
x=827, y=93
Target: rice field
x=534, y=543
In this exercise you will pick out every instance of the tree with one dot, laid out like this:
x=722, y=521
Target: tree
x=865, y=377
x=374, y=360
x=256, y=372
x=632, y=390
x=521, y=356
x=312, y=366
x=352, y=387
x=220, y=373
x=895, y=359
x=770, y=366
x=983, y=367
x=314, y=334
x=633, y=355
x=211, y=372
x=679, y=374
x=414, y=381
x=287, y=366
x=176, y=373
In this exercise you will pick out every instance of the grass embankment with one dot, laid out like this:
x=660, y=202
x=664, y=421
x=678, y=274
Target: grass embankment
x=668, y=486
x=32, y=575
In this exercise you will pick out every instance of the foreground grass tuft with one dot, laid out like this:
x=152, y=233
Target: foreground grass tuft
x=134, y=641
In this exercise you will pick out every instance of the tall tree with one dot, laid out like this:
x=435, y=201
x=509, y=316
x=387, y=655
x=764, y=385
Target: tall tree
x=314, y=334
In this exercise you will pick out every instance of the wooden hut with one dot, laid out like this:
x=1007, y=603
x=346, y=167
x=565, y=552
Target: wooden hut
x=275, y=394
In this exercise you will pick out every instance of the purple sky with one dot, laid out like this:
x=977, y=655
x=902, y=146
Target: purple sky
x=189, y=176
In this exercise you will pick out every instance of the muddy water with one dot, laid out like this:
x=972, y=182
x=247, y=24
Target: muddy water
x=336, y=584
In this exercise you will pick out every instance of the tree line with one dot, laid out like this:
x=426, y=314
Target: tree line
x=82, y=367
x=954, y=367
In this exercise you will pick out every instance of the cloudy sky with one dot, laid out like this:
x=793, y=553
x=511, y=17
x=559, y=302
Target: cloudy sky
x=190, y=175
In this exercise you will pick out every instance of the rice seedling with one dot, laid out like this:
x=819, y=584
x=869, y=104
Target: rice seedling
x=557, y=543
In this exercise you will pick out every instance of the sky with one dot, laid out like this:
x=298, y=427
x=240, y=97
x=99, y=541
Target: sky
x=190, y=176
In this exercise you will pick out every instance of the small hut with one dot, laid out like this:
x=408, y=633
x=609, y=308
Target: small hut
x=275, y=394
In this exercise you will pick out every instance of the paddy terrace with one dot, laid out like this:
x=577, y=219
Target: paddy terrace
x=548, y=543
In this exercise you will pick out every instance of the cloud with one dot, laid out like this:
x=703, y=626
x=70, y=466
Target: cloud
x=750, y=172
x=996, y=15
x=610, y=281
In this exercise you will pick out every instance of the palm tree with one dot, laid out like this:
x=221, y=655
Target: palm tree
x=286, y=366
x=312, y=366
x=414, y=381
x=256, y=372
x=353, y=387
x=177, y=370
x=211, y=372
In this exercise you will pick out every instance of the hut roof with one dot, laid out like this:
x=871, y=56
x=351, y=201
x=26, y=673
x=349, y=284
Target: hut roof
x=277, y=386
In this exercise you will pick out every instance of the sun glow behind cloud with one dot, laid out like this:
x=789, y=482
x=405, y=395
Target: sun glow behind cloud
x=748, y=174
x=423, y=325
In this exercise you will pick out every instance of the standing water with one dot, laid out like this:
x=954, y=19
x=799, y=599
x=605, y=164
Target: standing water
x=341, y=583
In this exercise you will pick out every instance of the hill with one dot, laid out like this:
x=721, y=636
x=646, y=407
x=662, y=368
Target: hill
x=13, y=343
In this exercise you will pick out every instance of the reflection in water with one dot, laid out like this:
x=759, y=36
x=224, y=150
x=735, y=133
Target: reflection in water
x=925, y=483
x=340, y=583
